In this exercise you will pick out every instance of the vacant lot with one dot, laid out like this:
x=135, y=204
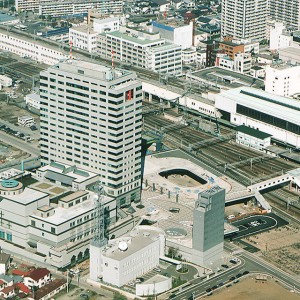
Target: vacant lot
x=250, y=289
x=281, y=246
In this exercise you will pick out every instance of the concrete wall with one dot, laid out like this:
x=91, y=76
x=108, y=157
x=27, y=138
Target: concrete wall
x=147, y=289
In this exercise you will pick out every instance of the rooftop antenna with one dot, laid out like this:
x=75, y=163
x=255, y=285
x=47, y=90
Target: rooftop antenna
x=99, y=233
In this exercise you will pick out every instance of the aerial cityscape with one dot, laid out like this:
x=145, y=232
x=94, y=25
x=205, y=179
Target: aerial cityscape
x=150, y=149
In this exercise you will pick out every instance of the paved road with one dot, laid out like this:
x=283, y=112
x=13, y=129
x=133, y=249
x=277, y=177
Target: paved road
x=20, y=144
x=248, y=262
x=258, y=264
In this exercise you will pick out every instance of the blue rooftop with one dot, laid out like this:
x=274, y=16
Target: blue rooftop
x=6, y=18
x=162, y=26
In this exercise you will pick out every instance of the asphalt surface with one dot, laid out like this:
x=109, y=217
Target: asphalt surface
x=20, y=144
x=266, y=222
x=248, y=262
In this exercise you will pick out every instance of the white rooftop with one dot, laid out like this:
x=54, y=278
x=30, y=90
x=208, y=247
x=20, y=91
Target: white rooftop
x=27, y=196
x=34, y=96
x=154, y=165
x=77, y=176
x=140, y=237
x=84, y=29
x=84, y=65
x=278, y=106
x=62, y=215
x=105, y=20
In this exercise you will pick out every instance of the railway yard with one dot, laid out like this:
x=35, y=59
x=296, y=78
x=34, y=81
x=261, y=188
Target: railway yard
x=224, y=156
x=15, y=67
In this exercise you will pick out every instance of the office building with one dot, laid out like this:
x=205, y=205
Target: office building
x=244, y=19
x=83, y=37
x=287, y=12
x=208, y=226
x=124, y=259
x=282, y=80
x=178, y=34
x=240, y=63
x=91, y=117
x=146, y=51
x=58, y=234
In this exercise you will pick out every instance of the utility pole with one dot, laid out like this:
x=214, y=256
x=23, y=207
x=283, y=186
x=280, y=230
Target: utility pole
x=67, y=281
x=99, y=236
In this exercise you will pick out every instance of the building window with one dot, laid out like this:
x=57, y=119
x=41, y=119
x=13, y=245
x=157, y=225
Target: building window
x=52, y=230
x=9, y=236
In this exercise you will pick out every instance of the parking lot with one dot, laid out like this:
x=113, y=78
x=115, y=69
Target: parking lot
x=256, y=224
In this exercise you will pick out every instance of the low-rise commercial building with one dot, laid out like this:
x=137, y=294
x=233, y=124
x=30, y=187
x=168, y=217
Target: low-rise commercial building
x=282, y=80
x=252, y=138
x=83, y=37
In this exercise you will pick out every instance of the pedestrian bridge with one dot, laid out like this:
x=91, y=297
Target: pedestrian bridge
x=254, y=190
x=238, y=196
x=290, y=176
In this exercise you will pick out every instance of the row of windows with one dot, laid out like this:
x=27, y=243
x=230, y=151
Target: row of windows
x=7, y=236
x=277, y=122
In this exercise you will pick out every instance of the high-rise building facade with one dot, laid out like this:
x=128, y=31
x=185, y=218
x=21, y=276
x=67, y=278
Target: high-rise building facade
x=208, y=226
x=91, y=117
x=287, y=12
x=244, y=19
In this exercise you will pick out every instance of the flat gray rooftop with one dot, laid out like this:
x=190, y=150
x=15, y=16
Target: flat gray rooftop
x=226, y=78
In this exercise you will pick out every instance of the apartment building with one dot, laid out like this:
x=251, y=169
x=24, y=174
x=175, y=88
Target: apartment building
x=153, y=54
x=91, y=116
x=287, y=12
x=72, y=7
x=244, y=19
x=279, y=37
x=32, y=5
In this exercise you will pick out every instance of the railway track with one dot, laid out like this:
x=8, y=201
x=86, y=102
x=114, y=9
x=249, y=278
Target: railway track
x=277, y=199
x=219, y=154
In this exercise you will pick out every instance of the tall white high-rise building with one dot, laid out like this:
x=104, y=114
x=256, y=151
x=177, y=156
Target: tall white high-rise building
x=244, y=19
x=91, y=117
x=287, y=12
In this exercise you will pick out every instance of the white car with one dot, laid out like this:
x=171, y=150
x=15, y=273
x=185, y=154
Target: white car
x=231, y=217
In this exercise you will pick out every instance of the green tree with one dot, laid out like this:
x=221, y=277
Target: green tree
x=118, y=296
